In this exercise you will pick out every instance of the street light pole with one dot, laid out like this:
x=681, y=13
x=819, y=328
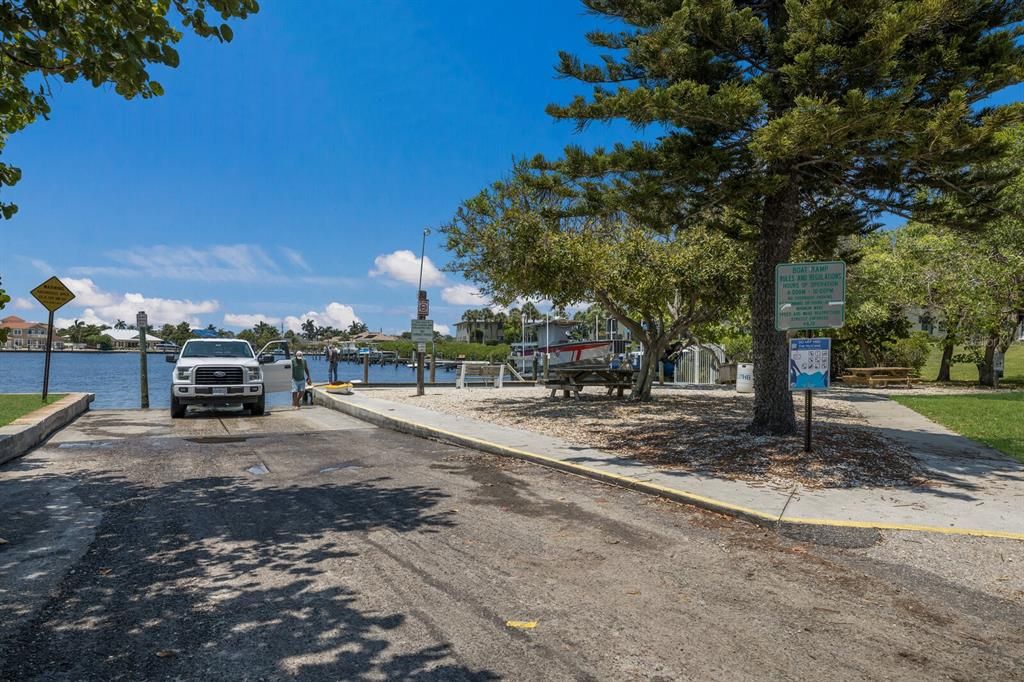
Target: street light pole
x=420, y=295
x=423, y=251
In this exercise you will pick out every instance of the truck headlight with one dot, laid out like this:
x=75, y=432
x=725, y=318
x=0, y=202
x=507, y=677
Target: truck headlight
x=184, y=373
x=254, y=373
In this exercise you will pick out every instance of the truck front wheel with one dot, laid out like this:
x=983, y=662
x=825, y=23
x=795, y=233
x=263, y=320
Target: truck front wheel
x=258, y=408
x=177, y=408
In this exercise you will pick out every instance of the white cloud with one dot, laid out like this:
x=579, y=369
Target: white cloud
x=217, y=263
x=404, y=266
x=442, y=329
x=88, y=316
x=337, y=315
x=463, y=294
x=296, y=259
x=20, y=303
x=42, y=266
x=246, y=320
x=103, y=307
x=87, y=294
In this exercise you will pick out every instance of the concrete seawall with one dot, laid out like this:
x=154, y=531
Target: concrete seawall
x=26, y=432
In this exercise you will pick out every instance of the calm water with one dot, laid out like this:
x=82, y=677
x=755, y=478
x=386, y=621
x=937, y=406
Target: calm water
x=114, y=377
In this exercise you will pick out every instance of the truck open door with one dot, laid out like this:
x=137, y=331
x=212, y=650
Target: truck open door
x=276, y=362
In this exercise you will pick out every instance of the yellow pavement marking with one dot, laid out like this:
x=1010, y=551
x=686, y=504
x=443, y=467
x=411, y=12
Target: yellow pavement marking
x=521, y=624
x=636, y=483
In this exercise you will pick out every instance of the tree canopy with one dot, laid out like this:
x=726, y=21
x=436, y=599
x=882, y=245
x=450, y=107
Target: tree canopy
x=804, y=119
x=112, y=43
x=515, y=241
x=4, y=300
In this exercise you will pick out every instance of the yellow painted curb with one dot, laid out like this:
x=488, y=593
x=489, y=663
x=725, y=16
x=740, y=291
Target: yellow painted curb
x=676, y=494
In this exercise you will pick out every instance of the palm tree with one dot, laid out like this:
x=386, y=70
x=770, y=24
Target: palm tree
x=120, y=324
x=530, y=312
x=77, y=331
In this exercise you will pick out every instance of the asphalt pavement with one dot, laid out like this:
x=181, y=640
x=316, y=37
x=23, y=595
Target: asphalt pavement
x=311, y=545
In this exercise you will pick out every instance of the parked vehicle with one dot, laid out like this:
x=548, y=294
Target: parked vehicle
x=225, y=372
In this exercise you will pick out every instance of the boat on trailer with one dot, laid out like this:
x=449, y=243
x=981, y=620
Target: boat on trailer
x=554, y=338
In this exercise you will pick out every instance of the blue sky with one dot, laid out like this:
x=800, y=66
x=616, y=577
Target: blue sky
x=281, y=173
x=291, y=171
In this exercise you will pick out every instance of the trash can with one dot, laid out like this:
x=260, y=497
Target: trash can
x=744, y=377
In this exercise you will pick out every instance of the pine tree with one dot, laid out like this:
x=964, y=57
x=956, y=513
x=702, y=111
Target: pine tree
x=804, y=119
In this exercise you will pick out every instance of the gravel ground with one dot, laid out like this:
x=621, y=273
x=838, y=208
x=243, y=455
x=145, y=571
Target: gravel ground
x=990, y=565
x=693, y=429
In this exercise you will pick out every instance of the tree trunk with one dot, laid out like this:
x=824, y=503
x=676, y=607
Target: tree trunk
x=865, y=350
x=644, y=380
x=947, y=357
x=987, y=366
x=773, y=403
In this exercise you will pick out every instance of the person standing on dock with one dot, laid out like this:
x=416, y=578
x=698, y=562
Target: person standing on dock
x=333, y=355
x=300, y=378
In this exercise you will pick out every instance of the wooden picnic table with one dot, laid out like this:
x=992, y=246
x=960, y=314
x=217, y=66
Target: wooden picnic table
x=575, y=378
x=878, y=376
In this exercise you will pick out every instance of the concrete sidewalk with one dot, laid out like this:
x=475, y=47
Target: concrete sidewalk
x=974, y=490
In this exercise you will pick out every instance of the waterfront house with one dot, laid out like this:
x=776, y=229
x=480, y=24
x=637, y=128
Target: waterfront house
x=480, y=331
x=373, y=337
x=22, y=335
x=128, y=339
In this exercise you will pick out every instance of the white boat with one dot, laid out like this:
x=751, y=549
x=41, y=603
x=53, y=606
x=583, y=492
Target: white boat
x=553, y=339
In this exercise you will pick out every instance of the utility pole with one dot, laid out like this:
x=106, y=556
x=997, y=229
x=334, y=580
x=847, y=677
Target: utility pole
x=141, y=321
x=421, y=314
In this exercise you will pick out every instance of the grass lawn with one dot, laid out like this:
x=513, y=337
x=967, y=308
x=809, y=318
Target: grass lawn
x=990, y=418
x=1013, y=369
x=14, y=406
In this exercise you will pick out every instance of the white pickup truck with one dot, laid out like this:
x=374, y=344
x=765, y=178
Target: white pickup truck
x=222, y=372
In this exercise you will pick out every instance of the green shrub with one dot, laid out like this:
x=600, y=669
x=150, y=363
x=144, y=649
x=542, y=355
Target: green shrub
x=912, y=351
x=739, y=348
x=451, y=350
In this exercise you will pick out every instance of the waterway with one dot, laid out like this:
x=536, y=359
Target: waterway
x=114, y=377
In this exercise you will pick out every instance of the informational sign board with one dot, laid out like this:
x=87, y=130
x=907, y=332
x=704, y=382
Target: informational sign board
x=53, y=294
x=141, y=320
x=810, y=295
x=809, y=364
x=422, y=331
x=421, y=347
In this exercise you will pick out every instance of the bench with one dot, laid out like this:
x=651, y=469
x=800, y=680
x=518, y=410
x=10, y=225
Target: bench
x=483, y=372
x=573, y=379
x=878, y=376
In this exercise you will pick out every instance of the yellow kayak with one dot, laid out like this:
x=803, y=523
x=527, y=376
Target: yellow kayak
x=340, y=389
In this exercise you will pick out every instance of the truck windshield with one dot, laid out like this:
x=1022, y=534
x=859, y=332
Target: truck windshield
x=217, y=349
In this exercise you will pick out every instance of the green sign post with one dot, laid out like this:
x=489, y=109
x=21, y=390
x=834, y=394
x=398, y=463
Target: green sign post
x=810, y=295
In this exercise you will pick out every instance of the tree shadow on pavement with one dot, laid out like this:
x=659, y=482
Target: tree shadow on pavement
x=211, y=577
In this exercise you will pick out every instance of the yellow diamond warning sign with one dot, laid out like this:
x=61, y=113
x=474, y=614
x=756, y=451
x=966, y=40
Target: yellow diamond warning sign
x=52, y=294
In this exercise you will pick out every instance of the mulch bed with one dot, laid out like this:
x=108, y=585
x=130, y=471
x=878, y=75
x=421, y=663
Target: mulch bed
x=702, y=431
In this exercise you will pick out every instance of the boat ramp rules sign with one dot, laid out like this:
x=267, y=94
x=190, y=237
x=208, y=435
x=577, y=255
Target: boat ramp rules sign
x=809, y=364
x=422, y=331
x=810, y=295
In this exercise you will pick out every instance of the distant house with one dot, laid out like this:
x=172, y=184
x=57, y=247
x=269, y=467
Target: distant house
x=478, y=331
x=373, y=337
x=128, y=339
x=923, y=320
x=22, y=335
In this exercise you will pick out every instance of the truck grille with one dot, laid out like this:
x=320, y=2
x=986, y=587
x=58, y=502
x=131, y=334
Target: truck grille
x=218, y=376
